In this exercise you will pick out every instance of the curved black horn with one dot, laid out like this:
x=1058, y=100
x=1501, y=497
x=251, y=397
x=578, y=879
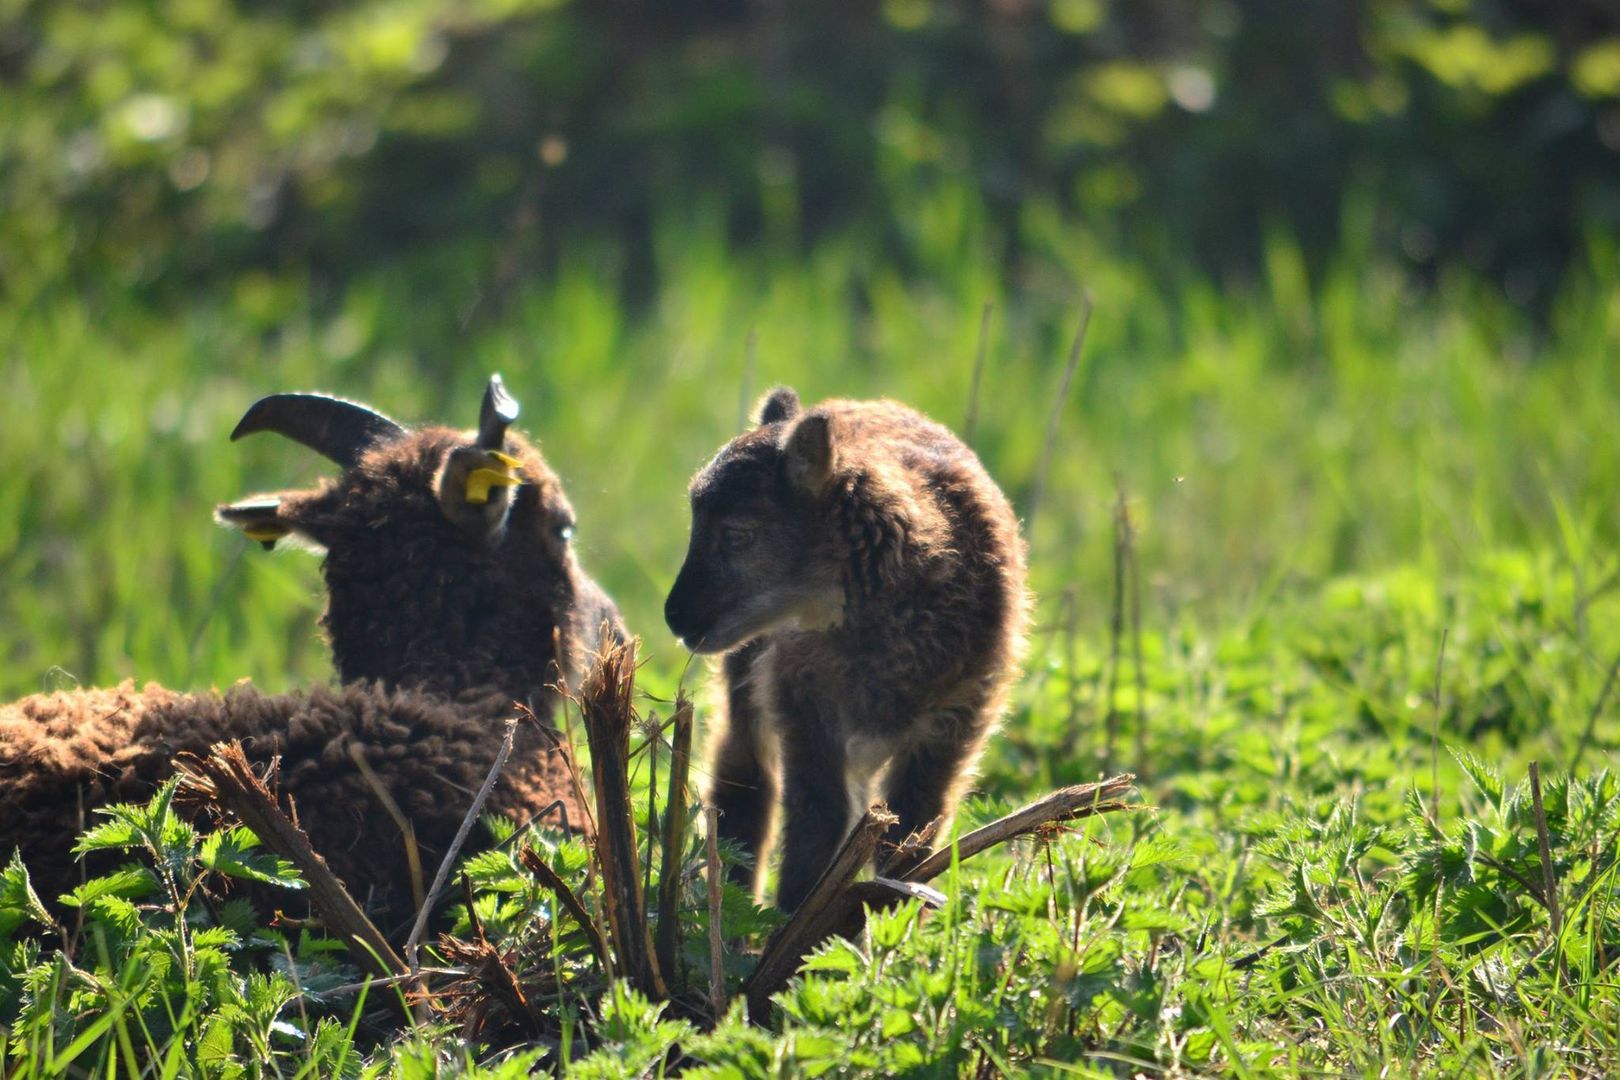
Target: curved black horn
x=497, y=414
x=338, y=429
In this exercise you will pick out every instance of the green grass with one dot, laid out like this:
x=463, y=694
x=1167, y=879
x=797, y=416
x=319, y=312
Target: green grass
x=1330, y=478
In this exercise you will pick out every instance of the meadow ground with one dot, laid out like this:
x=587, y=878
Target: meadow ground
x=1373, y=567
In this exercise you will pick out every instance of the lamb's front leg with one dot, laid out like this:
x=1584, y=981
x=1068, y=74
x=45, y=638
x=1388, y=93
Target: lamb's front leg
x=925, y=783
x=815, y=799
x=741, y=786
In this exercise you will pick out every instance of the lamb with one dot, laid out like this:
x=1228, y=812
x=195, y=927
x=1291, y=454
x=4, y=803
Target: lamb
x=453, y=592
x=864, y=580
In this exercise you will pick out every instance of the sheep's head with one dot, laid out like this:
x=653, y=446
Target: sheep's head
x=448, y=556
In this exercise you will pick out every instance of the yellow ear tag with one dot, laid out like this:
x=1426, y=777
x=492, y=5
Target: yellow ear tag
x=265, y=533
x=479, y=481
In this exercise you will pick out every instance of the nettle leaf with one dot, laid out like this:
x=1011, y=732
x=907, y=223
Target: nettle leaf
x=232, y=853
x=130, y=881
x=1485, y=778
x=117, y=834
x=493, y=867
x=836, y=955
x=18, y=901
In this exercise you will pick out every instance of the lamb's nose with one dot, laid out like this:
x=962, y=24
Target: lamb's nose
x=673, y=614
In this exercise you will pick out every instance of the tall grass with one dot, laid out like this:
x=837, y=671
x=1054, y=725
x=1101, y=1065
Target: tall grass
x=1271, y=432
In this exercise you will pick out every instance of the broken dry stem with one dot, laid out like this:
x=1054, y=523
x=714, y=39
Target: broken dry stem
x=606, y=704
x=226, y=777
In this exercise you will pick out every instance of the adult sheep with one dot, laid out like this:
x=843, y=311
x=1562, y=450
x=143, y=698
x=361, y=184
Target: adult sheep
x=453, y=593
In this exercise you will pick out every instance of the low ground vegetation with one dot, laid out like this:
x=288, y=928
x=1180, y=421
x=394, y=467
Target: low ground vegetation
x=1368, y=570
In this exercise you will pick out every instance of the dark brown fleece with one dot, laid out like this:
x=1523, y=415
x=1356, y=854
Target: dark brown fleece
x=96, y=747
x=437, y=631
x=413, y=601
x=867, y=579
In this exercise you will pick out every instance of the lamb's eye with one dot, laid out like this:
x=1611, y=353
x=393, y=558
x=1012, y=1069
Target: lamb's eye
x=735, y=538
x=565, y=533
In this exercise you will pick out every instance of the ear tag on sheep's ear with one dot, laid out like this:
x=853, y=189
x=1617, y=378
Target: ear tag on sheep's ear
x=504, y=473
x=257, y=519
x=265, y=533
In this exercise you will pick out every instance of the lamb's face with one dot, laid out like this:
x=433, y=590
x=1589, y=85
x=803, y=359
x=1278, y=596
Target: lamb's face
x=763, y=553
x=438, y=542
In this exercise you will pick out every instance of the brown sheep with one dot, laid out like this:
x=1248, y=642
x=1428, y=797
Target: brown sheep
x=452, y=592
x=865, y=579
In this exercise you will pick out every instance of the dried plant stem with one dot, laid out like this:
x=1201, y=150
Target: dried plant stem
x=1037, y=489
x=412, y=942
x=570, y=902
x=1592, y=717
x=972, y=420
x=606, y=703
x=717, y=952
x=1116, y=629
x=1133, y=565
x=1549, y=880
x=407, y=831
x=821, y=914
x=666, y=936
x=227, y=779
x=1066, y=804
x=1434, y=729
x=1070, y=615
x=745, y=396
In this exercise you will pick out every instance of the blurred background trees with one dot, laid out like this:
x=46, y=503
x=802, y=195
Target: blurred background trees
x=161, y=144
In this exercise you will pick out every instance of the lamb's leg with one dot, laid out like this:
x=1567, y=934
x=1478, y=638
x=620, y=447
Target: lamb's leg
x=926, y=782
x=816, y=800
x=741, y=787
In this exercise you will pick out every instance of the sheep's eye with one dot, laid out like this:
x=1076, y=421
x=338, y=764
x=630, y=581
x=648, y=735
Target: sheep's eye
x=737, y=537
x=565, y=533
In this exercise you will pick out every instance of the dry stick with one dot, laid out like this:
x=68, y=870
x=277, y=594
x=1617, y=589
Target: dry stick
x=1037, y=489
x=1549, y=883
x=569, y=900
x=226, y=778
x=1434, y=731
x=669, y=873
x=717, y=963
x=455, y=845
x=605, y=702
x=1116, y=627
x=1071, y=654
x=407, y=831
x=820, y=914
x=1134, y=565
x=745, y=398
x=1592, y=717
x=652, y=803
x=1066, y=804
x=972, y=420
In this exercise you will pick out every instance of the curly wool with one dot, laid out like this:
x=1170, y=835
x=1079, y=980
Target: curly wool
x=437, y=637
x=64, y=754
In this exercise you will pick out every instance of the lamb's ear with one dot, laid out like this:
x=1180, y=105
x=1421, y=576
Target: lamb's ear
x=259, y=518
x=782, y=403
x=810, y=452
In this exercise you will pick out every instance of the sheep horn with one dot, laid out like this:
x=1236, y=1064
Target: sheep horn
x=497, y=414
x=335, y=428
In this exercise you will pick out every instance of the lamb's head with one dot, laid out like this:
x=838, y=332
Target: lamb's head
x=448, y=560
x=765, y=550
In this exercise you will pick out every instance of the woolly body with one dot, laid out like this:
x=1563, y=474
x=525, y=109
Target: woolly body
x=866, y=580
x=441, y=618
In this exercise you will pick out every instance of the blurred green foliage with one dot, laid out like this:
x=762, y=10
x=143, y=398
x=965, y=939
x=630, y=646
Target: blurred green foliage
x=174, y=140
x=1270, y=434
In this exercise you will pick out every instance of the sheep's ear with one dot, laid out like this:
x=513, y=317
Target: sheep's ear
x=474, y=488
x=810, y=453
x=260, y=518
x=782, y=403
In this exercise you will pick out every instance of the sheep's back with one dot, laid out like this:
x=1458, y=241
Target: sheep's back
x=62, y=755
